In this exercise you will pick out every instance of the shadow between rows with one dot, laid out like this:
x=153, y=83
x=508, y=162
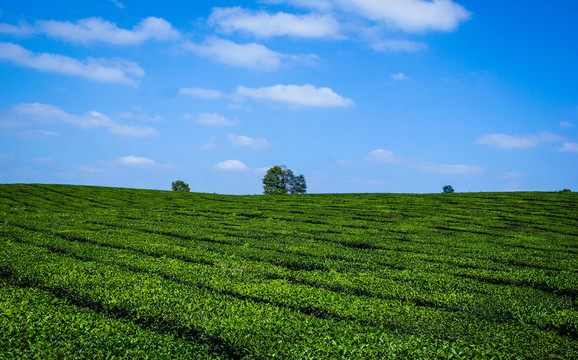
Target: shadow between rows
x=161, y=325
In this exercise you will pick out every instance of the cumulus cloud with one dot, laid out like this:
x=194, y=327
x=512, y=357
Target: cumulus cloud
x=137, y=162
x=568, y=147
x=45, y=113
x=210, y=119
x=392, y=45
x=296, y=95
x=209, y=145
x=202, y=93
x=518, y=141
x=386, y=156
x=231, y=165
x=245, y=141
x=117, y=3
x=121, y=164
x=399, y=77
x=252, y=55
x=22, y=29
x=407, y=15
x=451, y=169
x=139, y=114
x=263, y=24
x=102, y=70
x=320, y=5
x=411, y=15
x=371, y=20
x=94, y=29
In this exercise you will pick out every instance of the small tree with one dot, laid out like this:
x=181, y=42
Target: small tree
x=448, y=189
x=279, y=180
x=180, y=185
x=274, y=182
x=298, y=185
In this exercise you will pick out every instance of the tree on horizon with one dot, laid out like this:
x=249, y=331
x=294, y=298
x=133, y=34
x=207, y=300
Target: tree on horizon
x=279, y=180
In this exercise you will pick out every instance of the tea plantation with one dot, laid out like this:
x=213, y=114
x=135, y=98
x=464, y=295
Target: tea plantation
x=93, y=272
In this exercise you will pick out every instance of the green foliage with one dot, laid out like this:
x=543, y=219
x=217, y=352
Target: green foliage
x=180, y=185
x=279, y=180
x=298, y=185
x=91, y=272
x=275, y=181
x=37, y=324
x=565, y=191
x=448, y=189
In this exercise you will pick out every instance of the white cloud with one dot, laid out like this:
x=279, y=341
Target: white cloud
x=117, y=3
x=392, y=45
x=407, y=15
x=263, y=24
x=91, y=120
x=252, y=55
x=202, y=93
x=263, y=170
x=381, y=155
x=101, y=70
x=568, y=147
x=36, y=134
x=387, y=156
x=566, y=124
x=120, y=165
x=399, y=77
x=211, y=119
x=296, y=95
x=231, y=165
x=140, y=115
x=245, y=141
x=518, y=141
x=434, y=167
x=320, y=5
x=23, y=29
x=129, y=130
x=137, y=162
x=209, y=145
x=411, y=15
x=95, y=29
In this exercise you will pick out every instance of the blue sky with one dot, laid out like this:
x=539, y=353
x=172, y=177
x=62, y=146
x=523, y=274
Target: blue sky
x=357, y=95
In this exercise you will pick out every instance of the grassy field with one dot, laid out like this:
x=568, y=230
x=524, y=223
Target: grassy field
x=92, y=272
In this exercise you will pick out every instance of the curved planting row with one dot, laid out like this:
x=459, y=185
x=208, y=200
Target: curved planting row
x=317, y=276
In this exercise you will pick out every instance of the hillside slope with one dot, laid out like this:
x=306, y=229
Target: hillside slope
x=90, y=272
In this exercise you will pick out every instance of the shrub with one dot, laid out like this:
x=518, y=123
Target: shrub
x=448, y=189
x=180, y=185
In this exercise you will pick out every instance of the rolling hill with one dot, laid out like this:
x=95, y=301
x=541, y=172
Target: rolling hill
x=95, y=272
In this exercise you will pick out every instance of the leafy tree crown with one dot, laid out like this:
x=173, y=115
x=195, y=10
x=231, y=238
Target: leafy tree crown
x=279, y=180
x=180, y=185
x=448, y=189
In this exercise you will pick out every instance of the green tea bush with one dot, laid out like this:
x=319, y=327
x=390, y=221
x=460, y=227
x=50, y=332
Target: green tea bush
x=360, y=276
